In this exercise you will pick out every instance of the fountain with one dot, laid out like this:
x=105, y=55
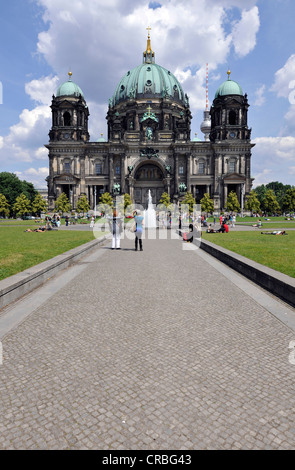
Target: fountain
x=150, y=220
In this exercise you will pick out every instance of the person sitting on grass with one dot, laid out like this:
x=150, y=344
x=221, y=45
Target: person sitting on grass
x=210, y=229
x=259, y=224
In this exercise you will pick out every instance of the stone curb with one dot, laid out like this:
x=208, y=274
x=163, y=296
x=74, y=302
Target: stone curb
x=14, y=287
x=277, y=283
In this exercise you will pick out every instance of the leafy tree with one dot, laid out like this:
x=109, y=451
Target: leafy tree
x=127, y=201
x=105, y=203
x=279, y=190
x=165, y=199
x=4, y=206
x=83, y=204
x=10, y=186
x=232, y=204
x=261, y=192
x=62, y=204
x=252, y=202
x=189, y=200
x=289, y=200
x=207, y=204
x=22, y=205
x=29, y=190
x=39, y=205
x=270, y=202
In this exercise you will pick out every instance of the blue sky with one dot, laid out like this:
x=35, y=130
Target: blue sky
x=42, y=39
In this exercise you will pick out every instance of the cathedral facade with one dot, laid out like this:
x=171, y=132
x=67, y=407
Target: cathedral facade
x=149, y=144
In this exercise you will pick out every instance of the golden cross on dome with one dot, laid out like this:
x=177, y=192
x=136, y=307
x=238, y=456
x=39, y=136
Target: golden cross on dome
x=70, y=75
x=148, y=29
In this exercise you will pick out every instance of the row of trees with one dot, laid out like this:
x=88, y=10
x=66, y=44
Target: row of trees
x=11, y=188
x=63, y=204
x=275, y=197
x=267, y=202
x=22, y=205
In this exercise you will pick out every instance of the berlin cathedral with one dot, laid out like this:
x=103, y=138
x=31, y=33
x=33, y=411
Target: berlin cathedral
x=149, y=144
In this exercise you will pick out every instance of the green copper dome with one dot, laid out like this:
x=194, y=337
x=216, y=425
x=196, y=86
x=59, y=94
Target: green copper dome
x=69, y=88
x=148, y=80
x=229, y=87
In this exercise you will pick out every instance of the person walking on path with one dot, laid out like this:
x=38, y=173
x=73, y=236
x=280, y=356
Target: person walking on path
x=139, y=220
x=115, y=224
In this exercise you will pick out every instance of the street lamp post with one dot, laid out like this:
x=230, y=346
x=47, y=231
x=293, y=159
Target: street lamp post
x=242, y=199
x=94, y=201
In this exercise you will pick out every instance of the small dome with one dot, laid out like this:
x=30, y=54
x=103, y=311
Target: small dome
x=69, y=88
x=101, y=138
x=229, y=87
x=196, y=139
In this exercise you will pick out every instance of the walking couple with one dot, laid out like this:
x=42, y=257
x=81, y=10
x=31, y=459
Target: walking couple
x=116, y=227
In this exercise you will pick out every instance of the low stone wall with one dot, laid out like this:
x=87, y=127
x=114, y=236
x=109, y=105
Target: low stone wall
x=14, y=287
x=279, y=284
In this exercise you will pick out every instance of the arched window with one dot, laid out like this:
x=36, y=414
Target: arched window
x=201, y=168
x=232, y=166
x=98, y=168
x=67, y=166
x=67, y=119
x=232, y=118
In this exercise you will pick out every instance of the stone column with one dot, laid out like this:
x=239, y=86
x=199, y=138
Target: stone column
x=122, y=164
x=91, y=197
x=111, y=173
x=225, y=192
x=176, y=174
x=188, y=171
x=168, y=179
x=208, y=189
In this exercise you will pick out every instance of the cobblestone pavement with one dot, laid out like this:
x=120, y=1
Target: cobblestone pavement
x=148, y=350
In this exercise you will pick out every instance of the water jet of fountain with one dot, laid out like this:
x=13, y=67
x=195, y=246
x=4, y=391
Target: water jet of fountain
x=150, y=220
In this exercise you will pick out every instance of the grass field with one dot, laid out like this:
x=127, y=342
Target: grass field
x=20, y=250
x=274, y=251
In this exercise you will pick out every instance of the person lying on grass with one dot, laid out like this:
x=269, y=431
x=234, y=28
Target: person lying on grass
x=276, y=232
x=39, y=229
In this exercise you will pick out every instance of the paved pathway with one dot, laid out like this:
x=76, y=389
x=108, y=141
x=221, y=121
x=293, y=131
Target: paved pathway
x=146, y=350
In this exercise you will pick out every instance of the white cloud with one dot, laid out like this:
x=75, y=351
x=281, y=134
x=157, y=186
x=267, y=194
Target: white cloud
x=259, y=96
x=283, y=78
x=245, y=31
x=277, y=147
x=271, y=160
x=42, y=90
x=34, y=175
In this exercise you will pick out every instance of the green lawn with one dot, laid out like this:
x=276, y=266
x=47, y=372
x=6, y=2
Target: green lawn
x=274, y=251
x=20, y=250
